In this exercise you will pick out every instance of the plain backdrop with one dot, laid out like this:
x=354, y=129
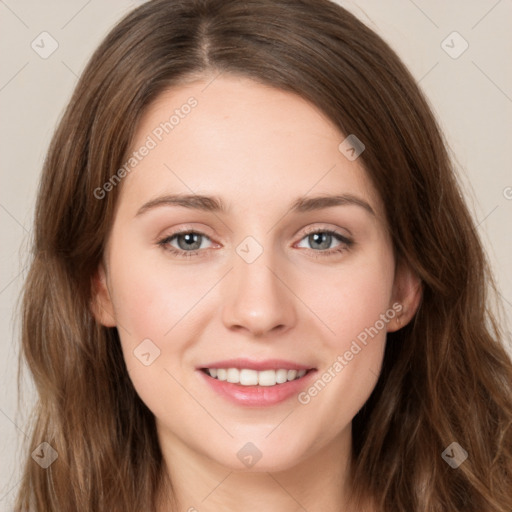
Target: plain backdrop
x=470, y=90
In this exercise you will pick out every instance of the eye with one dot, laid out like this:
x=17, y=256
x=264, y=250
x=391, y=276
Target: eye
x=185, y=243
x=321, y=242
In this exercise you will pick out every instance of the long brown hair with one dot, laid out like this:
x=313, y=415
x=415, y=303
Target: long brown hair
x=446, y=376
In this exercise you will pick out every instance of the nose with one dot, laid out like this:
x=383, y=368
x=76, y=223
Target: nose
x=257, y=299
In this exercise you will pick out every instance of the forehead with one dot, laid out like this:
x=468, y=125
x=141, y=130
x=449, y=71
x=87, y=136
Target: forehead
x=235, y=138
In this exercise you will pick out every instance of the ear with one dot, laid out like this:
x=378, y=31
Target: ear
x=101, y=303
x=406, y=296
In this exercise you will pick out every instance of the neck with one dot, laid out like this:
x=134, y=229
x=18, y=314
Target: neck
x=199, y=484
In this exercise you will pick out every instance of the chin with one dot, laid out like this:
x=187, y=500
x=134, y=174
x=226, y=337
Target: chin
x=258, y=456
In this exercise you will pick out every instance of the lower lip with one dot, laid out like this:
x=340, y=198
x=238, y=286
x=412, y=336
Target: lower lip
x=258, y=396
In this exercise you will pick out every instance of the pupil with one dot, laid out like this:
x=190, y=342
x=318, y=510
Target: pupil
x=191, y=241
x=323, y=240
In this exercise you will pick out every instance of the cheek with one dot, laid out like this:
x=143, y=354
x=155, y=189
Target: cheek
x=149, y=306
x=151, y=295
x=149, y=301
x=351, y=299
x=356, y=307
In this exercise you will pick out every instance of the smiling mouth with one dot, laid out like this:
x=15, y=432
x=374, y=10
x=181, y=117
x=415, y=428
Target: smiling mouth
x=248, y=377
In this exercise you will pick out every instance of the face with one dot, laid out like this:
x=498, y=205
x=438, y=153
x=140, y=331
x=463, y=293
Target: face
x=250, y=275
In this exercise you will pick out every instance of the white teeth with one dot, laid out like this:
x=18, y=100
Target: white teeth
x=247, y=377
x=281, y=376
x=267, y=378
x=233, y=375
x=291, y=374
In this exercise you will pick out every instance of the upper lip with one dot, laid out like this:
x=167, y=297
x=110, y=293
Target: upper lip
x=253, y=364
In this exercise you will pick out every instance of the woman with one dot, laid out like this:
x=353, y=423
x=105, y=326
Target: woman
x=255, y=282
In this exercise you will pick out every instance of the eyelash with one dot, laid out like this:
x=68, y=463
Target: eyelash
x=346, y=243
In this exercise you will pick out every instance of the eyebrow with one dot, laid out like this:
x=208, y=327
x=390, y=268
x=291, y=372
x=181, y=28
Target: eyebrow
x=215, y=204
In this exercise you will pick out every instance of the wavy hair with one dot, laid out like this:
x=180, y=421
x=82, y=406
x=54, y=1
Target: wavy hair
x=446, y=375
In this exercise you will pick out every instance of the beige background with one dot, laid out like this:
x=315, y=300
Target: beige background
x=471, y=94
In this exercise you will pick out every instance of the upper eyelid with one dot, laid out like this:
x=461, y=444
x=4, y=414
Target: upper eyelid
x=308, y=231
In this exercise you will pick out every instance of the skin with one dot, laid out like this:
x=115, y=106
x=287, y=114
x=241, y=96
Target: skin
x=258, y=149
